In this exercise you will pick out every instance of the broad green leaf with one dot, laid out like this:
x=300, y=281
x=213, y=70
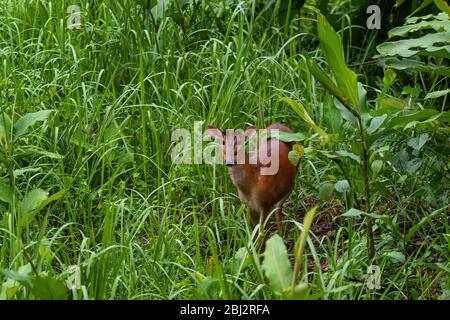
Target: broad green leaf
x=389, y=105
x=333, y=50
x=395, y=256
x=21, y=277
x=430, y=120
x=362, y=94
x=346, y=154
x=33, y=200
x=346, y=113
x=6, y=194
x=353, y=213
x=332, y=115
x=45, y=251
x=435, y=24
x=300, y=291
x=5, y=127
x=43, y=288
x=413, y=92
x=437, y=94
x=21, y=125
x=326, y=191
x=46, y=288
x=209, y=288
x=22, y=171
x=408, y=64
x=413, y=165
x=376, y=123
x=8, y=289
x=402, y=119
x=276, y=264
x=15, y=281
x=404, y=164
x=388, y=79
x=376, y=166
x=160, y=10
x=427, y=45
x=418, y=142
x=399, y=160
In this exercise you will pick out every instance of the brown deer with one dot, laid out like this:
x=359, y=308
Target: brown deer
x=262, y=192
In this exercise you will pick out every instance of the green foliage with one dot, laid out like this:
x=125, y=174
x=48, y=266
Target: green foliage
x=42, y=288
x=21, y=125
x=276, y=265
x=333, y=51
x=433, y=42
x=278, y=269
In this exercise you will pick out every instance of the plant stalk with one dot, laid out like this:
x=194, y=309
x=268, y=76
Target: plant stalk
x=365, y=160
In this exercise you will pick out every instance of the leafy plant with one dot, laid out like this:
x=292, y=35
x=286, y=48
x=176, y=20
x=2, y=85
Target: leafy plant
x=432, y=41
x=284, y=281
x=42, y=287
x=351, y=96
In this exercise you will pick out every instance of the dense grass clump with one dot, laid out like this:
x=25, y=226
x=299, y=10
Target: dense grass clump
x=89, y=185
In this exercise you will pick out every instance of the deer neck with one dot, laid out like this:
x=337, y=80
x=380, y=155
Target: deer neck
x=243, y=176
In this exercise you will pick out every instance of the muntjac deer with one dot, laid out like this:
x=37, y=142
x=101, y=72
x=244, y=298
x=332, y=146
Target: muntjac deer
x=261, y=191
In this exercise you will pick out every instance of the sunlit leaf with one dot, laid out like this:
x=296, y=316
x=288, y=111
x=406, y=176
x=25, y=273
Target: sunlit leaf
x=326, y=191
x=333, y=50
x=21, y=125
x=437, y=94
x=46, y=288
x=33, y=200
x=376, y=166
x=276, y=265
x=395, y=256
x=376, y=123
x=6, y=194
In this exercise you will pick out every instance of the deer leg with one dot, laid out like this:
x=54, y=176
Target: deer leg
x=278, y=216
x=254, y=218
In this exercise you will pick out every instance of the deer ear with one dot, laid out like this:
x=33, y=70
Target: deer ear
x=212, y=131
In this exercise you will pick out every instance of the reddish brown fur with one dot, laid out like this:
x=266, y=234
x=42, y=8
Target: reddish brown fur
x=263, y=193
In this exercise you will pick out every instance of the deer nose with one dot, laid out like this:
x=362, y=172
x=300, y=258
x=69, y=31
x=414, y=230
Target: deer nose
x=229, y=160
x=228, y=163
